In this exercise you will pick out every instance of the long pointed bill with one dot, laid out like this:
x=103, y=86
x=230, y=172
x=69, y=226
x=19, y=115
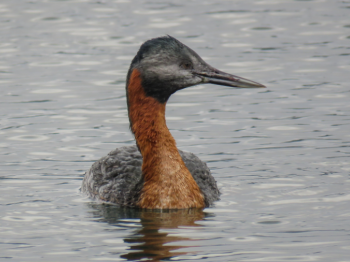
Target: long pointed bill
x=217, y=77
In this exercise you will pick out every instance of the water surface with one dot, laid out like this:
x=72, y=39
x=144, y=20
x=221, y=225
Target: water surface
x=280, y=155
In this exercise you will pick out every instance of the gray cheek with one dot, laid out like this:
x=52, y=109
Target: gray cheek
x=165, y=73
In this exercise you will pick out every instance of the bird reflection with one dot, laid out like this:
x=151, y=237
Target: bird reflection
x=150, y=242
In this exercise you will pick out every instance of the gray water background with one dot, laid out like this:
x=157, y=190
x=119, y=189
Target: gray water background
x=280, y=155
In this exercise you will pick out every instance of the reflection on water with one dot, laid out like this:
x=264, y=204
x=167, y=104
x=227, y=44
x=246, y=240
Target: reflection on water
x=154, y=238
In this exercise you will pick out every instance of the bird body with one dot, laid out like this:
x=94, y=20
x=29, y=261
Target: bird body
x=117, y=178
x=155, y=174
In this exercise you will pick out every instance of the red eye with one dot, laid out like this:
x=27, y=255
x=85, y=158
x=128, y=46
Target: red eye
x=186, y=65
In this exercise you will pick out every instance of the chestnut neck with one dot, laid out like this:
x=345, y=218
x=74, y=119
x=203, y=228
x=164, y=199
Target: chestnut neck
x=167, y=181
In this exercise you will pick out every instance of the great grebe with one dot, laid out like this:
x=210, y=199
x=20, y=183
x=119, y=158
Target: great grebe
x=155, y=174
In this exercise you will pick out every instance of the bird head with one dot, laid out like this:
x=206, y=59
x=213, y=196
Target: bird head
x=166, y=65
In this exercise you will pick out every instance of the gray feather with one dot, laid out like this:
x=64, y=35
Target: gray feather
x=117, y=177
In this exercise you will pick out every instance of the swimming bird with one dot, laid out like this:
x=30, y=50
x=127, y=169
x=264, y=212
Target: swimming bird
x=154, y=174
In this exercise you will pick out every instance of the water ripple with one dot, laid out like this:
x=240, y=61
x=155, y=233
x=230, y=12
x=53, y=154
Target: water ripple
x=279, y=155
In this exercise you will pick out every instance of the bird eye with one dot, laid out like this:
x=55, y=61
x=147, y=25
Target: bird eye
x=186, y=65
